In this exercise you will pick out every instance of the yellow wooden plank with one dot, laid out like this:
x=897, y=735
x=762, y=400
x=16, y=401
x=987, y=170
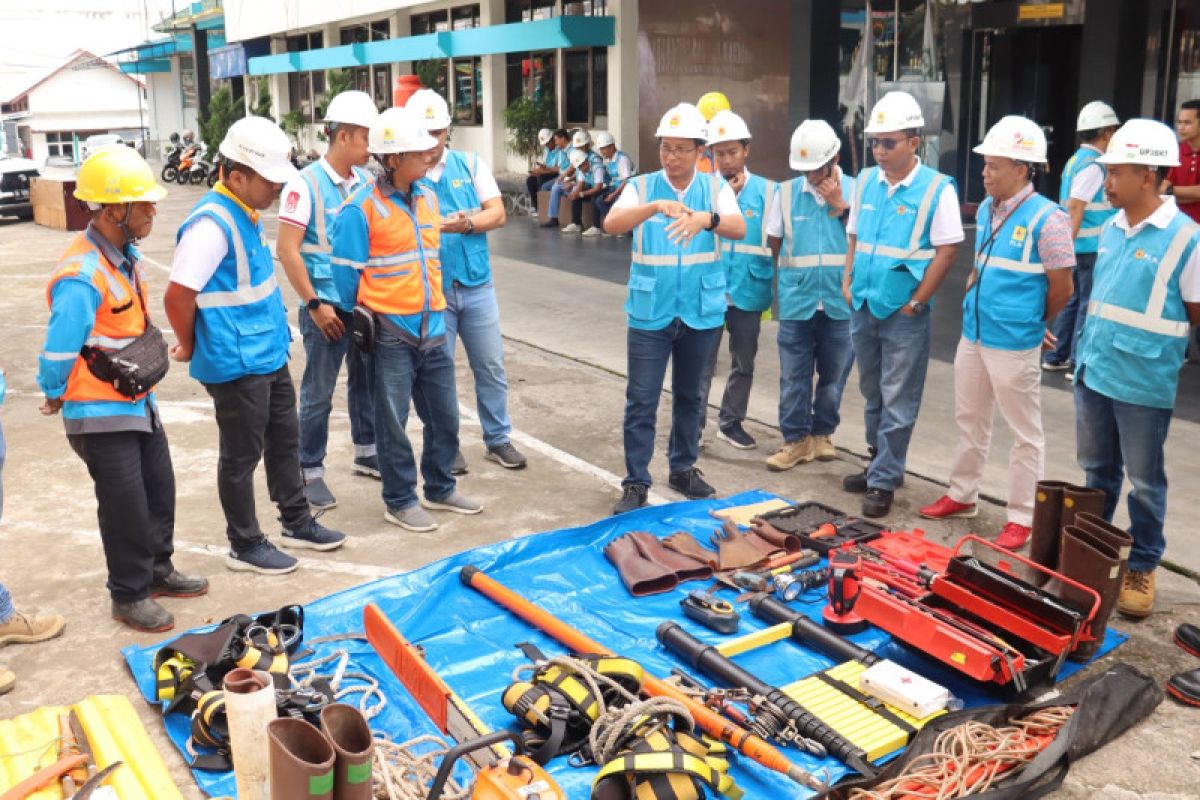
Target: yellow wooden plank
x=755, y=640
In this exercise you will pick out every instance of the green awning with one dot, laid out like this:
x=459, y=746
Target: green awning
x=516, y=37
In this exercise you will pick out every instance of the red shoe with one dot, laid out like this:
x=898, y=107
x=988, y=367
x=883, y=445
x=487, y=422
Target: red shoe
x=1013, y=536
x=945, y=508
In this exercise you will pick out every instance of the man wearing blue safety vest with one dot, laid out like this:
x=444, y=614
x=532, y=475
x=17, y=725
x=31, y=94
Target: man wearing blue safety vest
x=385, y=253
x=568, y=179
x=470, y=206
x=619, y=168
x=676, y=300
x=1021, y=278
x=1145, y=294
x=903, y=231
x=749, y=275
x=806, y=228
x=546, y=169
x=231, y=326
x=1082, y=195
x=310, y=203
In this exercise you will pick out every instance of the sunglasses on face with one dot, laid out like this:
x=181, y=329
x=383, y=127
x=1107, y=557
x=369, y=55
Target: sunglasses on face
x=886, y=144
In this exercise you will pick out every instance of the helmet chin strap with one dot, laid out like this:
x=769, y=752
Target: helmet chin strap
x=382, y=159
x=130, y=238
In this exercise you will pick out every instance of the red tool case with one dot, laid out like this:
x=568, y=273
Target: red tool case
x=973, y=615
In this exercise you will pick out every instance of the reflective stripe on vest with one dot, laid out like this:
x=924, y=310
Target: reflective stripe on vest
x=706, y=257
x=1151, y=319
x=245, y=293
x=914, y=241
x=812, y=255
x=399, y=238
x=1025, y=263
x=1096, y=211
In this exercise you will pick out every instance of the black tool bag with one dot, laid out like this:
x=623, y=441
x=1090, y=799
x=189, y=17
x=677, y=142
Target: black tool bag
x=364, y=327
x=1107, y=704
x=134, y=369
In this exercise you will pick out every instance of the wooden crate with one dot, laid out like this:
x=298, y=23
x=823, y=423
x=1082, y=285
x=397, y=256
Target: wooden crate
x=55, y=206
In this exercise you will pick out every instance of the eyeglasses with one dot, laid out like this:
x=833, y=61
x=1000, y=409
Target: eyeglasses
x=886, y=144
x=668, y=150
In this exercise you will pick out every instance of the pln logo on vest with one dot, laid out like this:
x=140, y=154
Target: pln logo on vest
x=1142, y=255
x=901, y=209
x=1019, y=234
x=456, y=182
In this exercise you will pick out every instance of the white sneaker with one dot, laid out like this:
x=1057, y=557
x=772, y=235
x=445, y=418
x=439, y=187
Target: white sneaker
x=593, y=231
x=457, y=502
x=572, y=228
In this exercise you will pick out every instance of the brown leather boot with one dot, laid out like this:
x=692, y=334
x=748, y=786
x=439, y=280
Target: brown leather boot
x=1088, y=559
x=301, y=761
x=1081, y=500
x=347, y=730
x=1118, y=539
x=1047, y=523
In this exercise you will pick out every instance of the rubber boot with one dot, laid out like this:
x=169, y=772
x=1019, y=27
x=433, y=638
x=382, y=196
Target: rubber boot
x=1047, y=525
x=1118, y=539
x=301, y=761
x=347, y=730
x=1090, y=560
x=1081, y=500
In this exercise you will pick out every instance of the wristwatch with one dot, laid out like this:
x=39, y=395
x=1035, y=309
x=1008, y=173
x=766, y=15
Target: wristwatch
x=314, y=304
x=470, y=226
x=716, y=221
x=916, y=306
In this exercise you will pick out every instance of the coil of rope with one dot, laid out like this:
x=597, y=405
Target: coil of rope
x=967, y=759
x=405, y=770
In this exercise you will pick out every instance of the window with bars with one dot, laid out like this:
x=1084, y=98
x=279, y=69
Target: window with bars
x=61, y=143
x=375, y=80
x=532, y=75
x=468, y=91
x=585, y=83
x=305, y=87
x=529, y=10
x=432, y=22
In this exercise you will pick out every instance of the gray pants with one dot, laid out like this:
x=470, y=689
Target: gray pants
x=743, y=327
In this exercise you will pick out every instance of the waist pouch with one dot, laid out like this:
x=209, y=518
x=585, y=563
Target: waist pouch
x=364, y=326
x=134, y=369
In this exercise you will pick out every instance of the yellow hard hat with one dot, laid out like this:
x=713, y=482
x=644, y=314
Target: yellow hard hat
x=117, y=175
x=711, y=103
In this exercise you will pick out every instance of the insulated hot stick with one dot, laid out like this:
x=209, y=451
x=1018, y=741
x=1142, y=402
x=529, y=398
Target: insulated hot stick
x=809, y=633
x=748, y=744
x=708, y=659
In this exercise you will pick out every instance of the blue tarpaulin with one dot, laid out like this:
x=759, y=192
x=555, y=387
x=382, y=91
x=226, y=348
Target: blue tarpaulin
x=470, y=641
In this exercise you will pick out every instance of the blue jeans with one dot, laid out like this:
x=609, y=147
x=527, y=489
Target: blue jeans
x=426, y=378
x=323, y=362
x=819, y=343
x=473, y=315
x=1115, y=439
x=688, y=350
x=556, y=195
x=893, y=356
x=1069, y=321
x=602, y=207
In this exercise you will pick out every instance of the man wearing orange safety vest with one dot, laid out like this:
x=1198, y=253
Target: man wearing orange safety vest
x=385, y=252
x=98, y=307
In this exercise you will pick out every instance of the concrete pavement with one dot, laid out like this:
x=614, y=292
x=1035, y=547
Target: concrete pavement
x=566, y=361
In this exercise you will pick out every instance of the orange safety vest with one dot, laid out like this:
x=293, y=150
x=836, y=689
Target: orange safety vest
x=120, y=319
x=403, y=274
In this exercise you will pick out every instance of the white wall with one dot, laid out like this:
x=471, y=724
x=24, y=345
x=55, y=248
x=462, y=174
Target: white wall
x=86, y=99
x=246, y=19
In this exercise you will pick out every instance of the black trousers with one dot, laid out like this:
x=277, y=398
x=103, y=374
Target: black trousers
x=256, y=417
x=534, y=184
x=135, y=497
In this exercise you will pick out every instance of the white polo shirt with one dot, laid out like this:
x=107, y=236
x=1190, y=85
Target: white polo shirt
x=1189, y=279
x=295, y=201
x=485, y=184
x=727, y=205
x=946, y=227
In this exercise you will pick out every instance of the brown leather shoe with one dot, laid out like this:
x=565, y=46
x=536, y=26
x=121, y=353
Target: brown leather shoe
x=1137, y=594
x=22, y=628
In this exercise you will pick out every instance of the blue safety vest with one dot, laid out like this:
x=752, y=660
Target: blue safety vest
x=464, y=255
x=327, y=197
x=613, y=167
x=241, y=322
x=585, y=173
x=812, y=255
x=749, y=267
x=1135, y=336
x=1005, y=308
x=1097, y=211
x=669, y=280
x=893, y=248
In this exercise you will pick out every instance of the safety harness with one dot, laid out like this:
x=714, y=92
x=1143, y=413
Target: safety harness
x=190, y=672
x=588, y=707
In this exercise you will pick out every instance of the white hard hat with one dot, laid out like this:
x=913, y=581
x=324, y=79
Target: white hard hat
x=895, y=111
x=1094, y=115
x=262, y=146
x=1018, y=138
x=814, y=144
x=726, y=126
x=605, y=139
x=431, y=109
x=581, y=138
x=1143, y=141
x=544, y=136
x=577, y=158
x=353, y=108
x=399, y=130
x=684, y=121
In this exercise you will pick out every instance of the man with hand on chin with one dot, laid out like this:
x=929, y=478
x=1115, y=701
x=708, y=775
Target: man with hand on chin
x=676, y=301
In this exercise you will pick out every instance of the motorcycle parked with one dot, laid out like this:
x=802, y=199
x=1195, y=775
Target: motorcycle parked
x=186, y=161
x=170, y=170
x=202, y=168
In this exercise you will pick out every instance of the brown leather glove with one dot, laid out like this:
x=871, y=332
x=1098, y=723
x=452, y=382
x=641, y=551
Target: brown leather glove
x=640, y=575
x=735, y=551
x=768, y=536
x=686, y=568
x=686, y=544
